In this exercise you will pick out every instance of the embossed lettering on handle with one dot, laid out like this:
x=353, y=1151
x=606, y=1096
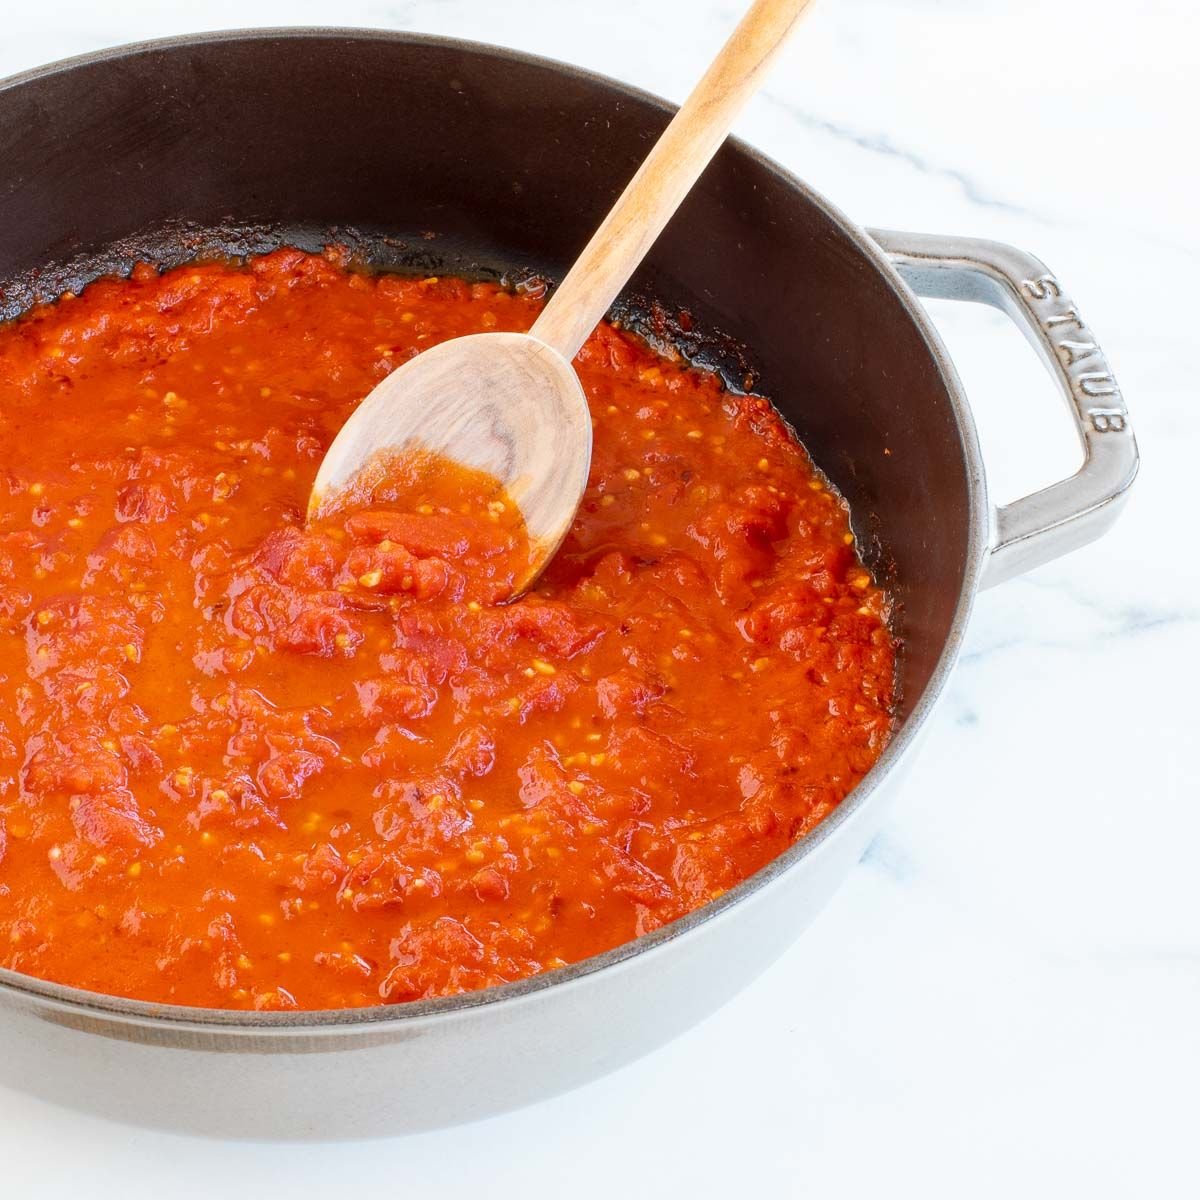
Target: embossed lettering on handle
x=1095, y=392
x=1075, y=511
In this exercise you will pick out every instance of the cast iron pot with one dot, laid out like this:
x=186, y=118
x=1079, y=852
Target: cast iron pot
x=438, y=155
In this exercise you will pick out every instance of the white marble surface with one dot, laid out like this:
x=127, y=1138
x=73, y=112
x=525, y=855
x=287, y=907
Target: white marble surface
x=1003, y=999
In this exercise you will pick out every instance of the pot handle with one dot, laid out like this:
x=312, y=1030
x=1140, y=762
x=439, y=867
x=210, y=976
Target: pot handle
x=1074, y=511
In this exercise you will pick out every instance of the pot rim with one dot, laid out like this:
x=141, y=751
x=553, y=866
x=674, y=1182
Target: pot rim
x=378, y=1018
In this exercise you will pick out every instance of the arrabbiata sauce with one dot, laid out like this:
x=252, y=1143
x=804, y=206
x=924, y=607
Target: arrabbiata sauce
x=250, y=764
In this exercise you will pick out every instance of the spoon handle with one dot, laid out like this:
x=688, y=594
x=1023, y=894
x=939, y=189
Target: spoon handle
x=666, y=176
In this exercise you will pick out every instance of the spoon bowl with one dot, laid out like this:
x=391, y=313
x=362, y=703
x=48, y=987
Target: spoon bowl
x=504, y=403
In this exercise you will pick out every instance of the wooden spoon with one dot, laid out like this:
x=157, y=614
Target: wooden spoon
x=511, y=403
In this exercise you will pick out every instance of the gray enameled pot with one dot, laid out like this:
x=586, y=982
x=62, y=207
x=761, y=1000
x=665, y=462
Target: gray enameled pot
x=431, y=155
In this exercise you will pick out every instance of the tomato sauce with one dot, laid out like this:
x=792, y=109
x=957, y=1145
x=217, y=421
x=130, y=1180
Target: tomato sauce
x=250, y=764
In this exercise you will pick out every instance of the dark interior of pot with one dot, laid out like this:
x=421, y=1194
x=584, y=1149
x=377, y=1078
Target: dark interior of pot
x=435, y=156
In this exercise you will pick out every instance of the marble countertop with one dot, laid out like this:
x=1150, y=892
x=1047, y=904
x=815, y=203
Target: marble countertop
x=1002, y=1000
